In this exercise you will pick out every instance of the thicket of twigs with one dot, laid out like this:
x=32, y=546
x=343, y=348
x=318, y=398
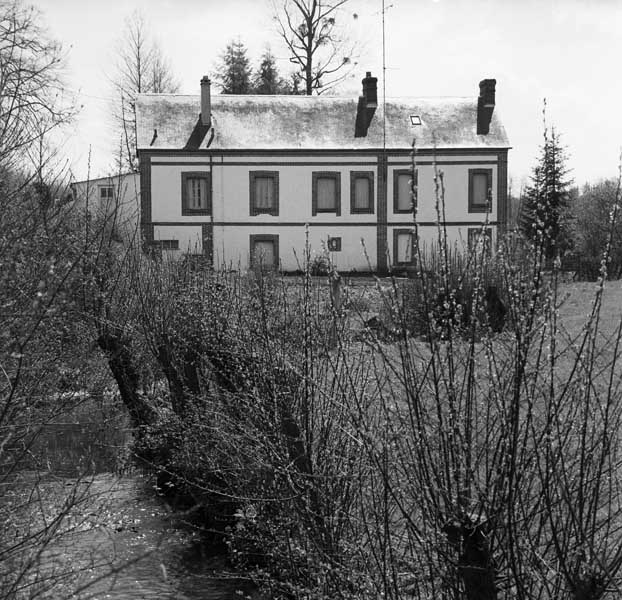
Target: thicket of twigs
x=474, y=457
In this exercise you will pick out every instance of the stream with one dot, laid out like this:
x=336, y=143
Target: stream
x=120, y=540
x=130, y=544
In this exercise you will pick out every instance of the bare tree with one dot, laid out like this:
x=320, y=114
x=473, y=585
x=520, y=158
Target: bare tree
x=32, y=100
x=141, y=68
x=322, y=54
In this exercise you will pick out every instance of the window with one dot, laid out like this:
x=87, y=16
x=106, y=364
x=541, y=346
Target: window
x=403, y=246
x=334, y=244
x=402, y=202
x=195, y=193
x=106, y=193
x=361, y=192
x=264, y=251
x=166, y=244
x=478, y=236
x=264, y=193
x=326, y=192
x=480, y=190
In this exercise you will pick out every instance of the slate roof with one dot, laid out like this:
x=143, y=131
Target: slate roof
x=308, y=122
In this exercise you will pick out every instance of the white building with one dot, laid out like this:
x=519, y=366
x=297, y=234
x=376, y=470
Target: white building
x=116, y=198
x=236, y=176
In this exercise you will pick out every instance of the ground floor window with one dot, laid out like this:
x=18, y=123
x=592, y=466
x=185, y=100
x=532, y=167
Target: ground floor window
x=480, y=239
x=264, y=251
x=403, y=246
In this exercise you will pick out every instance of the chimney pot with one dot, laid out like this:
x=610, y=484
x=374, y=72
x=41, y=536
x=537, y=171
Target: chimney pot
x=206, y=102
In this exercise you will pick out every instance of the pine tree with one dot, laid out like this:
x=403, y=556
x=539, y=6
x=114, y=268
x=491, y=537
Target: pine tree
x=234, y=73
x=546, y=202
x=267, y=79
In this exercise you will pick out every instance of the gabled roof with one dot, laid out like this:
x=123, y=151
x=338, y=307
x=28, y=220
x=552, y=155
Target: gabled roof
x=172, y=121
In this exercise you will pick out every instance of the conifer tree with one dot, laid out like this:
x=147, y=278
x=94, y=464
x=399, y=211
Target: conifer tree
x=234, y=72
x=267, y=79
x=546, y=201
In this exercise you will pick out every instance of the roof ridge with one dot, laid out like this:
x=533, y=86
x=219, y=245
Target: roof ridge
x=302, y=97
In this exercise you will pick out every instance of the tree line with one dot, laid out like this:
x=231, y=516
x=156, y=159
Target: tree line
x=575, y=225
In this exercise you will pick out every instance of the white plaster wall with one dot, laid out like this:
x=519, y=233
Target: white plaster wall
x=457, y=238
x=189, y=236
x=230, y=189
x=232, y=245
x=230, y=204
x=166, y=193
x=295, y=194
x=127, y=197
x=456, y=183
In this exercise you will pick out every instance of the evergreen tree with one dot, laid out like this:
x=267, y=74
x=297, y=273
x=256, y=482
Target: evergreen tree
x=544, y=217
x=267, y=79
x=234, y=72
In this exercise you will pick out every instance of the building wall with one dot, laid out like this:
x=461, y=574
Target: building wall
x=230, y=225
x=126, y=199
x=454, y=171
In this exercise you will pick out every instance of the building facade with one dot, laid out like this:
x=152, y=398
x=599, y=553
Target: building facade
x=247, y=178
x=115, y=198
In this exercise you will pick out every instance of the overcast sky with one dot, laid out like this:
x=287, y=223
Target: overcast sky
x=568, y=51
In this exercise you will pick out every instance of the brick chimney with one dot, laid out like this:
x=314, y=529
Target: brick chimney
x=367, y=105
x=370, y=90
x=206, y=102
x=485, y=105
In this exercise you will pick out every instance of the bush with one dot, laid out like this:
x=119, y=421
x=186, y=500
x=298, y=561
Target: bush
x=463, y=295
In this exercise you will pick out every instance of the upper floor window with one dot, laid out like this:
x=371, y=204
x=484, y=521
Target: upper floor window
x=106, y=193
x=326, y=192
x=264, y=192
x=195, y=193
x=402, y=200
x=480, y=190
x=361, y=192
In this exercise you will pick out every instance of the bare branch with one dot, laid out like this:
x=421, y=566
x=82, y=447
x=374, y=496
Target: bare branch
x=309, y=31
x=141, y=68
